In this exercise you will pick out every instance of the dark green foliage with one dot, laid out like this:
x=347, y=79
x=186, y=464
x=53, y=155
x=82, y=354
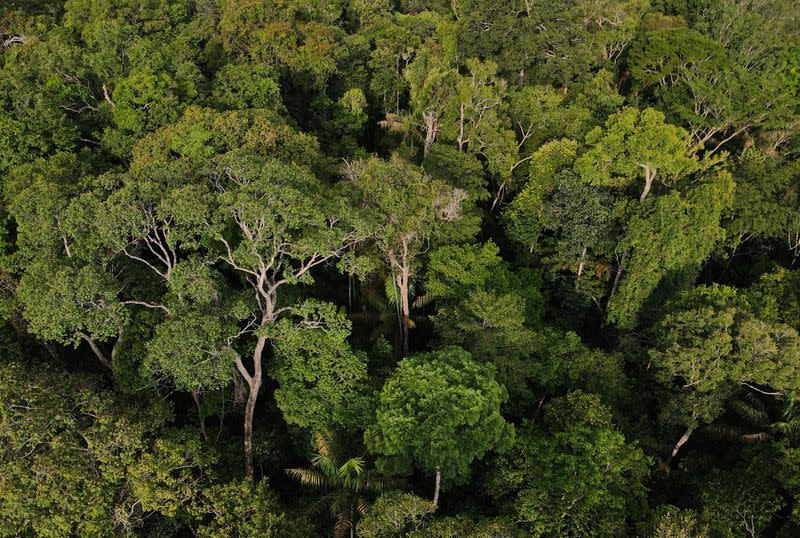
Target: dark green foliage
x=572, y=476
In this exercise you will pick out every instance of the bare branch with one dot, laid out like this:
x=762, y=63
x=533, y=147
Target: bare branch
x=148, y=305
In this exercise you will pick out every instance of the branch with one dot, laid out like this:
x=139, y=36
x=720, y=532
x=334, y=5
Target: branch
x=735, y=133
x=247, y=328
x=97, y=351
x=229, y=260
x=243, y=371
x=748, y=385
x=165, y=276
x=108, y=97
x=12, y=40
x=148, y=305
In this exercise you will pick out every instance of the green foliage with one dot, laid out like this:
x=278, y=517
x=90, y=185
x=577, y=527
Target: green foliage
x=672, y=522
x=243, y=86
x=454, y=271
x=440, y=410
x=674, y=232
x=65, y=304
x=760, y=209
x=77, y=461
x=709, y=343
x=451, y=527
x=739, y=503
x=395, y=513
x=633, y=146
x=322, y=381
x=344, y=484
x=241, y=508
x=192, y=351
x=574, y=475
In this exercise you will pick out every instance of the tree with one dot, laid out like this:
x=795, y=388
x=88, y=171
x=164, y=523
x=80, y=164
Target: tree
x=440, y=411
x=69, y=306
x=79, y=460
x=322, y=381
x=708, y=344
x=487, y=309
x=573, y=475
x=242, y=508
x=344, y=484
x=65, y=291
x=674, y=234
x=432, y=85
x=217, y=208
x=273, y=226
x=525, y=217
x=693, y=80
x=406, y=212
x=395, y=513
x=741, y=501
x=243, y=86
x=633, y=146
x=759, y=210
x=672, y=522
x=478, y=96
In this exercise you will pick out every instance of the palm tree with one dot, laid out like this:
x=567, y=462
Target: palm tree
x=344, y=485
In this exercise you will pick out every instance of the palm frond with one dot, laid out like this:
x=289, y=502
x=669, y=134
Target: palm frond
x=752, y=413
x=754, y=399
x=789, y=427
x=375, y=297
x=392, y=291
x=351, y=469
x=323, y=445
x=393, y=123
x=338, y=502
x=362, y=505
x=372, y=482
x=318, y=506
x=308, y=477
x=758, y=437
x=342, y=527
x=423, y=301
x=727, y=432
x=330, y=468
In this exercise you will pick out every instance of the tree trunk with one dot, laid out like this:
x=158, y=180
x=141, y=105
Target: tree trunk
x=431, y=130
x=617, y=278
x=649, y=176
x=405, y=310
x=249, y=413
x=682, y=441
x=461, y=128
x=398, y=73
x=498, y=196
x=254, y=384
x=403, y=280
x=583, y=261
x=437, y=487
x=196, y=397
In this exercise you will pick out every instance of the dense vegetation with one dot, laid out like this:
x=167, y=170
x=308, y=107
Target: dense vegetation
x=400, y=268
